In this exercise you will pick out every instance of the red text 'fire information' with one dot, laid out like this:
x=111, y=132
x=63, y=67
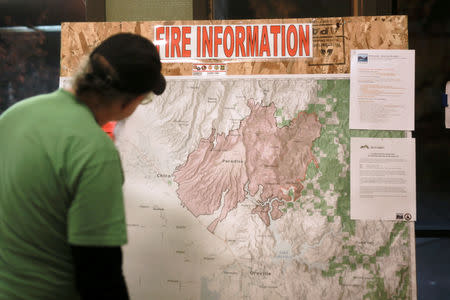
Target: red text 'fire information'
x=234, y=41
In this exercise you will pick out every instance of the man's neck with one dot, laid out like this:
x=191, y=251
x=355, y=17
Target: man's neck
x=102, y=113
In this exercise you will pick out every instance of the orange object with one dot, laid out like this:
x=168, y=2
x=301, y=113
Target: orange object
x=109, y=129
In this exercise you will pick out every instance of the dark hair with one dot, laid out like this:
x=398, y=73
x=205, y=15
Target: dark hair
x=124, y=65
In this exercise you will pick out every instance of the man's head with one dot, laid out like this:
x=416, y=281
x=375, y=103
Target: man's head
x=135, y=62
x=123, y=68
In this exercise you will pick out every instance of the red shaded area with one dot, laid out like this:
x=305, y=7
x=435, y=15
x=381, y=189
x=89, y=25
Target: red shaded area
x=277, y=158
x=263, y=212
x=210, y=172
x=276, y=213
x=258, y=153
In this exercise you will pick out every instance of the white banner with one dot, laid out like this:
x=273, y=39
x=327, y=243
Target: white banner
x=234, y=41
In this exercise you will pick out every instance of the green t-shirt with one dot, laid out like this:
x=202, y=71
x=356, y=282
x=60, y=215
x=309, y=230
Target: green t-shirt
x=60, y=185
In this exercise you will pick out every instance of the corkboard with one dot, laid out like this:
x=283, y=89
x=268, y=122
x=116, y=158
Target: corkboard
x=333, y=38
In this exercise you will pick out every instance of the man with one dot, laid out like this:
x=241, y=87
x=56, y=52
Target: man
x=62, y=221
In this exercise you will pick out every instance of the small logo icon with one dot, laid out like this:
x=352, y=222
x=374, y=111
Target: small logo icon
x=403, y=216
x=326, y=52
x=363, y=58
x=364, y=147
x=399, y=216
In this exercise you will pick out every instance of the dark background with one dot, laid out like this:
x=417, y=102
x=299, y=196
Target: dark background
x=30, y=61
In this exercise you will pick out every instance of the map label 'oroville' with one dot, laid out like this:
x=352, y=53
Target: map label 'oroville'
x=234, y=41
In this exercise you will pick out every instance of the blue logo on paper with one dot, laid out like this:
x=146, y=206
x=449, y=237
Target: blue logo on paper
x=363, y=58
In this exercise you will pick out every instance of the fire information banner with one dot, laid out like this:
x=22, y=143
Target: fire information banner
x=234, y=41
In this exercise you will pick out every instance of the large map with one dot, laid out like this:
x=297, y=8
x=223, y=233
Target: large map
x=239, y=188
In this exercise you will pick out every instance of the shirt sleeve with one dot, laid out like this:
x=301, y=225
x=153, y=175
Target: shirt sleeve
x=96, y=216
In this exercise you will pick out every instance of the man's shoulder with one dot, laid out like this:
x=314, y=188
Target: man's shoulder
x=90, y=145
x=25, y=104
x=41, y=106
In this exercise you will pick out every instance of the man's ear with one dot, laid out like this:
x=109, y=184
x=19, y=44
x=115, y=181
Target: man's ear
x=129, y=107
x=134, y=102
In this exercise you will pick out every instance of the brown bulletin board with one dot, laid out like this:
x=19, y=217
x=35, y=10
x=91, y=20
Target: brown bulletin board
x=333, y=38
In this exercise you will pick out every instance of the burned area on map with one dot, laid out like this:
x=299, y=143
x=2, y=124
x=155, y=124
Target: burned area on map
x=258, y=158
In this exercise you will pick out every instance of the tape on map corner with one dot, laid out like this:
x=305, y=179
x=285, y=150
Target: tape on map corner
x=444, y=100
